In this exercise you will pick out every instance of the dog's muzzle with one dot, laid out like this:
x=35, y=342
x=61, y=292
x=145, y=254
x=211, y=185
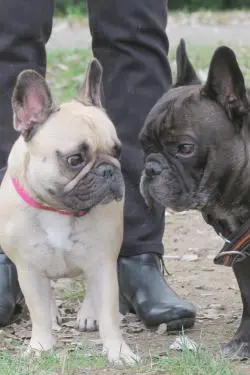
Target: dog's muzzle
x=106, y=170
x=112, y=175
x=153, y=165
x=152, y=169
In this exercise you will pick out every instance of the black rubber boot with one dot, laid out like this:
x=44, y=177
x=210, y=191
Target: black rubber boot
x=11, y=297
x=144, y=291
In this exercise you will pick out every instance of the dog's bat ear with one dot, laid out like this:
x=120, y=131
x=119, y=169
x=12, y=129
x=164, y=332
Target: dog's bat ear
x=186, y=74
x=31, y=102
x=225, y=83
x=90, y=92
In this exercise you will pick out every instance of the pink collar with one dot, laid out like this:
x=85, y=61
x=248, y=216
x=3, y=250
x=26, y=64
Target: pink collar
x=33, y=203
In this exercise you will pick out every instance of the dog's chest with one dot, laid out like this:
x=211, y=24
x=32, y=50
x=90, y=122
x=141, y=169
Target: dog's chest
x=58, y=230
x=59, y=257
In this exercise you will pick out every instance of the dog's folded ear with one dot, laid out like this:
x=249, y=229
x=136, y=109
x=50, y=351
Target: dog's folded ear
x=31, y=102
x=225, y=83
x=186, y=74
x=90, y=92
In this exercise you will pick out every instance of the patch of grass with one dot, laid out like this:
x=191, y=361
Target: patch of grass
x=76, y=292
x=209, y=17
x=80, y=362
x=66, y=69
x=78, y=13
x=63, y=363
x=71, y=9
x=200, y=56
x=200, y=362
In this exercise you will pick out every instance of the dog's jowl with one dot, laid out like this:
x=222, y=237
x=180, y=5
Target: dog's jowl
x=197, y=145
x=62, y=207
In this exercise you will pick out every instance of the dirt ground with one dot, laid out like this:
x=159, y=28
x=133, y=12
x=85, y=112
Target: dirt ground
x=190, y=245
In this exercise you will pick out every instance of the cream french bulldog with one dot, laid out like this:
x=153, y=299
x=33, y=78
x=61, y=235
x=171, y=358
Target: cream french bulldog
x=62, y=207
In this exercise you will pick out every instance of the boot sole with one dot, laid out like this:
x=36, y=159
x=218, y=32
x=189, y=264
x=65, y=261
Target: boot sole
x=175, y=325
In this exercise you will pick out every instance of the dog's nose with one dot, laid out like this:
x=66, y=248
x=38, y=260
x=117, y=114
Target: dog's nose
x=152, y=169
x=106, y=170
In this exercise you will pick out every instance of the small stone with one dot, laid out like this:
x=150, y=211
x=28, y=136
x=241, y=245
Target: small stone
x=190, y=257
x=172, y=257
x=230, y=321
x=200, y=287
x=183, y=342
x=194, y=249
x=70, y=324
x=129, y=318
x=216, y=306
x=207, y=269
x=162, y=329
x=134, y=329
x=97, y=342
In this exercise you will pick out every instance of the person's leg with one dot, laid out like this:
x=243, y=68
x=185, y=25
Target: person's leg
x=25, y=27
x=129, y=39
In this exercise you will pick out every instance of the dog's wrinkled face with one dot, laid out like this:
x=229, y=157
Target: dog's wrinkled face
x=71, y=152
x=193, y=139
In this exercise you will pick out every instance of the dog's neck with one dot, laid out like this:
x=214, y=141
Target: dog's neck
x=17, y=172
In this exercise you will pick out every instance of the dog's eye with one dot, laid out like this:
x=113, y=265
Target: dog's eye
x=75, y=160
x=185, y=149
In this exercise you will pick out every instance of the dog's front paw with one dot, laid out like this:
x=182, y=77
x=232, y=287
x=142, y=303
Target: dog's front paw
x=86, y=320
x=30, y=352
x=38, y=345
x=119, y=353
x=236, y=348
x=85, y=323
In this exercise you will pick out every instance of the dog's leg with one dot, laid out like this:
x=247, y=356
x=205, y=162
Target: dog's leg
x=240, y=345
x=103, y=286
x=37, y=292
x=86, y=317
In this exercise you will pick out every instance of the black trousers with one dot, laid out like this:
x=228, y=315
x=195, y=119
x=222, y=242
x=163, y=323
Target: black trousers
x=128, y=37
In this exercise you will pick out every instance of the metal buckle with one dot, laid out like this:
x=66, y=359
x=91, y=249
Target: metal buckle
x=224, y=238
x=236, y=256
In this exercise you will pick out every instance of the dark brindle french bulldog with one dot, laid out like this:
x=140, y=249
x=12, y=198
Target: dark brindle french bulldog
x=197, y=145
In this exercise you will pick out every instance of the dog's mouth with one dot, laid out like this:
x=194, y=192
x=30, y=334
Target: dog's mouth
x=147, y=192
x=166, y=182
x=100, y=186
x=154, y=192
x=151, y=180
